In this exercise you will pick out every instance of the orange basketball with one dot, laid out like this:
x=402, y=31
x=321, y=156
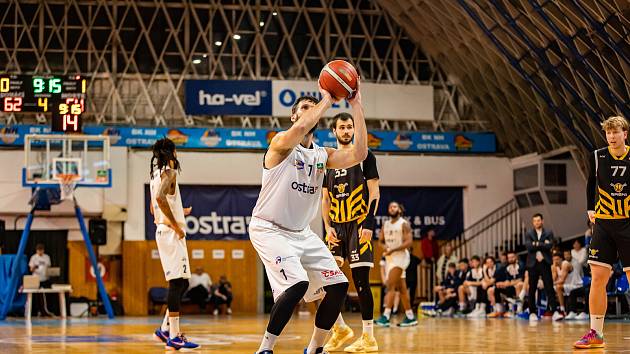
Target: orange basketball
x=339, y=78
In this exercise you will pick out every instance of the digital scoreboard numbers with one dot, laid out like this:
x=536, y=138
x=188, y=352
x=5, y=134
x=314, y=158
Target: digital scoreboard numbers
x=63, y=96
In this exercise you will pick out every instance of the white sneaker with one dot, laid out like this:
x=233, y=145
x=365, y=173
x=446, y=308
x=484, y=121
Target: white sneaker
x=583, y=316
x=571, y=316
x=215, y=312
x=533, y=317
x=478, y=313
x=229, y=311
x=557, y=316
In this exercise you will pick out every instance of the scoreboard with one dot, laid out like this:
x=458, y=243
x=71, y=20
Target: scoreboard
x=62, y=96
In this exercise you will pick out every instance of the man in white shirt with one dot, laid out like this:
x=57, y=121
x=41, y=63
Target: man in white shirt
x=199, y=287
x=39, y=263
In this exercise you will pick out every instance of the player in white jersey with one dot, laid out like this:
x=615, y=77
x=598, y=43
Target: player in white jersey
x=396, y=235
x=169, y=217
x=298, y=263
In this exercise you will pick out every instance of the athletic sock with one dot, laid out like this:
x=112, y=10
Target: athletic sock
x=409, y=314
x=174, y=330
x=561, y=308
x=317, y=340
x=462, y=306
x=165, y=325
x=368, y=327
x=387, y=313
x=268, y=342
x=597, y=323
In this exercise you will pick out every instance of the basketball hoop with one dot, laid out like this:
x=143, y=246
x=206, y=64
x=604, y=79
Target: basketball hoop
x=67, y=185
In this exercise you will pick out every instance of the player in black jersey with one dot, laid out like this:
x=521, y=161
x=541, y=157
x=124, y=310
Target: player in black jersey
x=608, y=198
x=350, y=197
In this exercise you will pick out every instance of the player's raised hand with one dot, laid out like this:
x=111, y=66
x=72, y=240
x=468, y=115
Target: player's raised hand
x=355, y=98
x=331, y=236
x=325, y=93
x=187, y=211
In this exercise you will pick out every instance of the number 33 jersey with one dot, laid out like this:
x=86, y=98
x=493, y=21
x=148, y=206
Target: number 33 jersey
x=612, y=197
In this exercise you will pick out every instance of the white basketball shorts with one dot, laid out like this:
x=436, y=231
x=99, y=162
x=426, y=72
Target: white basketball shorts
x=400, y=260
x=291, y=257
x=173, y=253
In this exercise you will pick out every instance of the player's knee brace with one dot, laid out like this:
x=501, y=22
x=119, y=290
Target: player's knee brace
x=176, y=288
x=328, y=310
x=283, y=307
x=361, y=277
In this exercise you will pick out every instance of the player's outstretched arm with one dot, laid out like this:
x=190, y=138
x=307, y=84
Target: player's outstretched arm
x=347, y=158
x=169, y=177
x=291, y=137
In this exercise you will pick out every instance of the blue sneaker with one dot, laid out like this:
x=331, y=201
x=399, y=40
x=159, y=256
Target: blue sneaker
x=382, y=321
x=180, y=342
x=319, y=350
x=161, y=335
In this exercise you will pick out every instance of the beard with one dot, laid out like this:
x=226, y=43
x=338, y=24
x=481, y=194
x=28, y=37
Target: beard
x=394, y=215
x=344, y=142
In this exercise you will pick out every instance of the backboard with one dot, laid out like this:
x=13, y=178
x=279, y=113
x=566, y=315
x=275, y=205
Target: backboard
x=51, y=159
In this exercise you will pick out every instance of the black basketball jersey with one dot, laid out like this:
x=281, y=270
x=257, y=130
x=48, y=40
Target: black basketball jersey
x=348, y=192
x=612, y=185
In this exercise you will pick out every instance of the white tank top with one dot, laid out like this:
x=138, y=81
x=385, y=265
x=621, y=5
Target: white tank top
x=291, y=191
x=174, y=201
x=394, y=236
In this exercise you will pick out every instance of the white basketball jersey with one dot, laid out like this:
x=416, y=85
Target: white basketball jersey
x=174, y=201
x=394, y=235
x=291, y=191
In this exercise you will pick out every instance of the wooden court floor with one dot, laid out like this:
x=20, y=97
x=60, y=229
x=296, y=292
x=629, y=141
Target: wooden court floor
x=241, y=334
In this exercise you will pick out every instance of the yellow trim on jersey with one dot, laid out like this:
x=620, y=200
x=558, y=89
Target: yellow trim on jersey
x=349, y=209
x=622, y=156
x=608, y=207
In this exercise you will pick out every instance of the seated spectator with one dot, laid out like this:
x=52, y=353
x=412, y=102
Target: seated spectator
x=509, y=283
x=462, y=269
x=503, y=261
x=442, y=263
x=199, y=287
x=447, y=292
x=472, y=289
x=222, y=295
x=568, y=282
x=578, y=253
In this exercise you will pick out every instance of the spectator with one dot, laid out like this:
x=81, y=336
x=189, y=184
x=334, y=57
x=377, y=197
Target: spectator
x=443, y=261
x=199, y=287
x=223, y=295
x=38, y=265
x=509, y=283
x=447, y=291
x=567, y=274
x=429, y=247
x=411, y=277
x=578, y=253
x=539, y=242
x=503, y=261
x=472, y=289
x=462, y=269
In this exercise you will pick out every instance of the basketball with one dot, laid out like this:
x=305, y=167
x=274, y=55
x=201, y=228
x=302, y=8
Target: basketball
x=339, y=78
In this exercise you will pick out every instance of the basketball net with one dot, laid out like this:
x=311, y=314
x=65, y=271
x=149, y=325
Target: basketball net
x=67, y=184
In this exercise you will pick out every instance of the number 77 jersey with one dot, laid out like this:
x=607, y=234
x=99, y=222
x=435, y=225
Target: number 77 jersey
x=613, y=185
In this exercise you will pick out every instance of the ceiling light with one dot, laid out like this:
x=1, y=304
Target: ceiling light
x=261, y=23
x=205, y=55
x=218, y=43
x=196, y=61
x=236, y=36
x=274, y=13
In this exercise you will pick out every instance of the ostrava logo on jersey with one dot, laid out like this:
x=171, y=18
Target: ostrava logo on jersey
x=299, y=164
x=304, y=188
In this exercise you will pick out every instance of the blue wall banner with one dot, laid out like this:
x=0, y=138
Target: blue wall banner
x=228, y=97
x=440, y=208
x=234, y=138
x=218, y=212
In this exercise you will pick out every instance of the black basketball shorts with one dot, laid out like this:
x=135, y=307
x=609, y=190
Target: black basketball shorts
x=610, y=242
x=349, y=247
